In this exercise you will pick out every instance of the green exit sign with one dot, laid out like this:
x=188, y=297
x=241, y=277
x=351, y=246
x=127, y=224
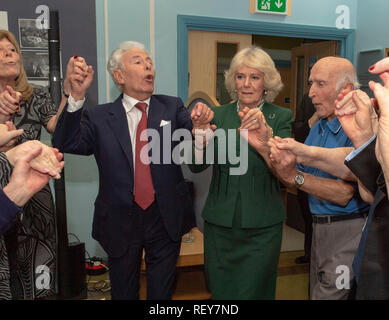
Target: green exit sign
x=272, y=6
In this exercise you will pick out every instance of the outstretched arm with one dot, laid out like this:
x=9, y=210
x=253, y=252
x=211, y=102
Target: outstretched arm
x=330, y=160
x=331, y=190
x=79, y=77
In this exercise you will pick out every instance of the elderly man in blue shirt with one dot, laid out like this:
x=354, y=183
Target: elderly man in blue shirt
x=338, y=212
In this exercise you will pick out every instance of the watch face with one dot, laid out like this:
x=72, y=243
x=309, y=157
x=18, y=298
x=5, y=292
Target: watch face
x=299, y=179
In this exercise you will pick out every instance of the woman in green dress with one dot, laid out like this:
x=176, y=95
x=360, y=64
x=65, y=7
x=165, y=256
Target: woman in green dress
x=243, y=213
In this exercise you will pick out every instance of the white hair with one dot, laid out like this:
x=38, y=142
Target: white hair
x=347, y=77
x=115, y=60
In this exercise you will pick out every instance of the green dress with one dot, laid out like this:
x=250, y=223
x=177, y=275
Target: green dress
x=243, y=215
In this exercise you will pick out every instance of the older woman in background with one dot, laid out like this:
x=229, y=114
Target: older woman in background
x=244, y=213
x=32, y=242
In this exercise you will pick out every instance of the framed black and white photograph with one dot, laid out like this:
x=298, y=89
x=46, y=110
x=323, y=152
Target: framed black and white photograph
x=32, y=37
x=36, y=64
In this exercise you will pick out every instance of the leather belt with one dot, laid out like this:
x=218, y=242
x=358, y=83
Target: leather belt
x=338, y=217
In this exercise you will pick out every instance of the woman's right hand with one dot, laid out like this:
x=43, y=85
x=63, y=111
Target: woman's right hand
x=9, y=103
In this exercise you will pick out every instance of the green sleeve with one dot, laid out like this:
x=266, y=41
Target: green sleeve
x=284, y=128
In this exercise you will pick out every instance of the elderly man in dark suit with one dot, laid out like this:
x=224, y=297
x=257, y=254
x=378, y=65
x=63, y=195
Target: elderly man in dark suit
x=140, y=205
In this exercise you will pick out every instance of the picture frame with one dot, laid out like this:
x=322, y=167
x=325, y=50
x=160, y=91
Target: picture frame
x=36, y=64
x=30, y=36
x=386, y=52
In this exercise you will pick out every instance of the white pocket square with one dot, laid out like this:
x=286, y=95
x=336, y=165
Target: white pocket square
x=164, y=123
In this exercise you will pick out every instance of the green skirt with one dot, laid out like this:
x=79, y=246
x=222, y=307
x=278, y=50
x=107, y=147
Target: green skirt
x=241, y=264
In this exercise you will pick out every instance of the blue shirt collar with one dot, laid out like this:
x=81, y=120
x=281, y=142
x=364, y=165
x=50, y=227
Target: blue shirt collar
x=334, y=125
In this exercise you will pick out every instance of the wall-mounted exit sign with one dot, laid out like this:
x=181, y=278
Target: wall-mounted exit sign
x=272, y=6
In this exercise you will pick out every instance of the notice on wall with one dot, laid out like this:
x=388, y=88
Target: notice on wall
x=3, y=20
x=280, y=7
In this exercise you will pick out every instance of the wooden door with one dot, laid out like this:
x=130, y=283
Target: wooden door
x=206, y=63
x=283, y=98
x=303, y=58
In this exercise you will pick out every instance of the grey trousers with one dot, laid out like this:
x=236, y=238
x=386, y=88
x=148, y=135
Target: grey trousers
x=333, y=249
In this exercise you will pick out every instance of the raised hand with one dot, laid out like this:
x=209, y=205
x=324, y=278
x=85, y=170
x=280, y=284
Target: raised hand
x=202, y=116
x=258, y=131
x=380, y=67
x=381, y=93
x=79, y=77
x=355, y=112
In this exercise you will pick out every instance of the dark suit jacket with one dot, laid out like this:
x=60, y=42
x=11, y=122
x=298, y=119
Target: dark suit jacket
x=103, y=132
x=371, y=263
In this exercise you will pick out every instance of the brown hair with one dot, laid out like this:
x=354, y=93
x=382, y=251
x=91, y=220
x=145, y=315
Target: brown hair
x=21, y=83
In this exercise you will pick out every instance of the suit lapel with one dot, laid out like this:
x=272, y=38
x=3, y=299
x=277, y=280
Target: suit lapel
x=156, y=112
x=117, y=120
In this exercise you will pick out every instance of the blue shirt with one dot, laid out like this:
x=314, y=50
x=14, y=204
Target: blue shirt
x=329, y=134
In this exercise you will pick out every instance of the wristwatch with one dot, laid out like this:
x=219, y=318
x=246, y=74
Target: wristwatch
x=299, y=179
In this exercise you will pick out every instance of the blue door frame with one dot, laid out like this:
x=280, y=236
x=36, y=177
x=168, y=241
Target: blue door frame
x=346, y=38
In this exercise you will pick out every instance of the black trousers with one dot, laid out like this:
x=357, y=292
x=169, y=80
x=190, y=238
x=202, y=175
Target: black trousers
x=161, y=254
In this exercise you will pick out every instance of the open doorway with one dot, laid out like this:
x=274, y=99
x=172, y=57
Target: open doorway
x=186, y=23
x=294, y=57
x=235, y=38
x=210, y=54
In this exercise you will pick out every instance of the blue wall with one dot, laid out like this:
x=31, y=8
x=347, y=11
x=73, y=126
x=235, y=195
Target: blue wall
x=372, y=27
x=129, y=20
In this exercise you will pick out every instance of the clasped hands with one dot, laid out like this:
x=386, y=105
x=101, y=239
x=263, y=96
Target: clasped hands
x=362, y=117
x=47, y=161
x=255, y=129
x=355, y=111
x=253, y=126
x=203, y=130
x=79, y=77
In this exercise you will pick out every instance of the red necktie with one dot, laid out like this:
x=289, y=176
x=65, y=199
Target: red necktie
x=144, y=190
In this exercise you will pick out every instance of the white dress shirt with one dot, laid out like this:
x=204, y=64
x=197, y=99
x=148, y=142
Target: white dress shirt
x=133, y=115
